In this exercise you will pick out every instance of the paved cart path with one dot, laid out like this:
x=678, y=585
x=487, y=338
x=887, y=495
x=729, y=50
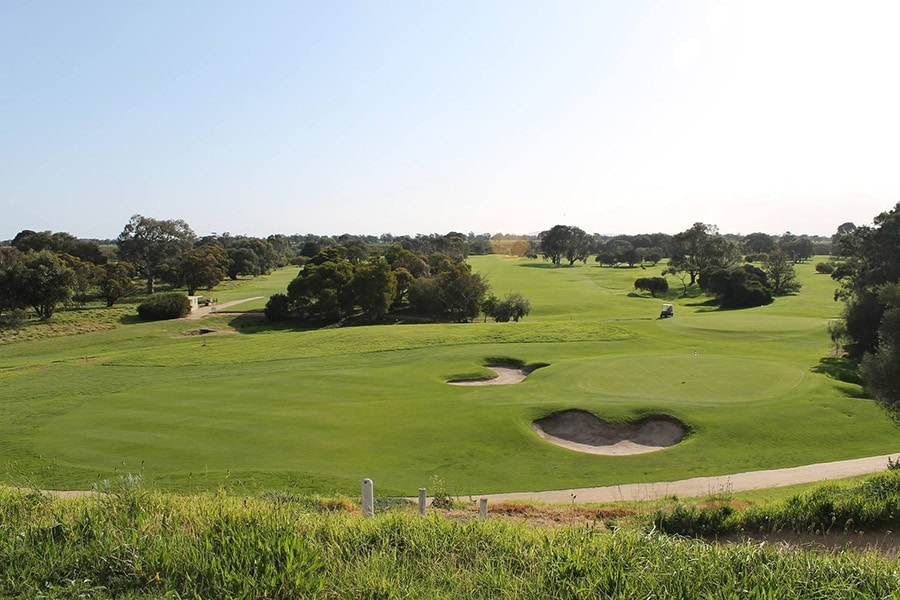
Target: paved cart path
x=704, y=486
x=214, y=308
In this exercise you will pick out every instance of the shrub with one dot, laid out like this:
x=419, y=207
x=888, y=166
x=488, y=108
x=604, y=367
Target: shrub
x=164, y=306
x=514, y=307
x=278, y=308
x=738, y=287
x=653, y=285
x=824, y=268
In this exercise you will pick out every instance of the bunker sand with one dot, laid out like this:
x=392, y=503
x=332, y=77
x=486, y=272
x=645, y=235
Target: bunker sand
x=582, y=431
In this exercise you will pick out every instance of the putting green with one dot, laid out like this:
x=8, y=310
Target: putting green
x=701, y=380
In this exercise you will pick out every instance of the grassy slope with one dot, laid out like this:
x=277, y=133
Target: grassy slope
x=320, y=410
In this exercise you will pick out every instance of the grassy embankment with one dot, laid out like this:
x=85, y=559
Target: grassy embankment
x=316, y=411
x=136, y=543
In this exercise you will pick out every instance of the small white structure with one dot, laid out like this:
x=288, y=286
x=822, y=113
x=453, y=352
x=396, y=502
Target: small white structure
x=195, y=302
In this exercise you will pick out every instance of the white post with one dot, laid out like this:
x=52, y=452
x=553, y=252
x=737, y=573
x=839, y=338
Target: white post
x=368, y=498
x=422, y=500
x=482, y=508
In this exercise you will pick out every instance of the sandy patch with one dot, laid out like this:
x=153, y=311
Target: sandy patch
x=505, y=376
x=582, y=431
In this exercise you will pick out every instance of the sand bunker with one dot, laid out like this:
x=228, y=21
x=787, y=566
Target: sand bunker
x=584, y=432
x=505, y=376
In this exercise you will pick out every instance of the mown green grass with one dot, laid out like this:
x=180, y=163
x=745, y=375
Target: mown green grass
x=317, y=411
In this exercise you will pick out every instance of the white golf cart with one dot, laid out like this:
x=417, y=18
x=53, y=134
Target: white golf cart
x=667, y=311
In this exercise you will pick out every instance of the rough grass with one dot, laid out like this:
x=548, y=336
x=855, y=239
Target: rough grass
x=129, y=542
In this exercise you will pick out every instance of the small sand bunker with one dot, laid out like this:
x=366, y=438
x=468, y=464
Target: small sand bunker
x=584, y=432
x=505, y=376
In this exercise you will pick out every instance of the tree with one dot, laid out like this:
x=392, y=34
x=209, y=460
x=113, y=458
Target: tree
x=652, y=254
x=606, y=257
x=60, y=243
x=243, y=261
x=799, y=248
x=700, y=249
x=554, y=242
x=115, y=281
x=12, y=267
x=322, y=291
x=738, y=287
x=682, y=276
x=203, y=267
x=251, y=256
x=512, y=308
x=758, y=243
x=278, y=308
x=45, y=282
x=880, y=370
x=844, y=229
x=85, y=276
x=374, y=286
x=654, y=285
x=460, y=292
x=578, y=246
x=148, y=244
x=872, y=260
x=623, y=251
x=780, y=274
x=563, y=241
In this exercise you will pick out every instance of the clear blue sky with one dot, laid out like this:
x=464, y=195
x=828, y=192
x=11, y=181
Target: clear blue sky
x=428, y=116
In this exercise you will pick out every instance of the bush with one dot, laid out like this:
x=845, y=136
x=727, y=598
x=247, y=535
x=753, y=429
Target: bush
x=738, y=287
x=164, y=306
x=824, y=268
x=278, y=308
x=514, y=307
x=653, y=285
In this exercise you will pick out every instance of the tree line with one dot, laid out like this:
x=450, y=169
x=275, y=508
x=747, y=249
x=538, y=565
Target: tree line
x=867, y=266
x=341, y=283
x=698, y=256
x=43, y=270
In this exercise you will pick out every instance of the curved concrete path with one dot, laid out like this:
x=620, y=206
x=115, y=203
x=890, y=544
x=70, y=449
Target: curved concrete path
x=214, y=308
x=704, y=486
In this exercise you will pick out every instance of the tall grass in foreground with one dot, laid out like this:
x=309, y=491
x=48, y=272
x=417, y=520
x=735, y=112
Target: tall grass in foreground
x=141, y=544
x=872, y=504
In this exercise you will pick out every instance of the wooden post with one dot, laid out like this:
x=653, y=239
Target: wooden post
x=368, y=498
x=482, y=508
x=422, y=499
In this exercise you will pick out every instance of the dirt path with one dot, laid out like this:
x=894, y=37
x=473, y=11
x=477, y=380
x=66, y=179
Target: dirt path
x=214, y=308
x=704, y=486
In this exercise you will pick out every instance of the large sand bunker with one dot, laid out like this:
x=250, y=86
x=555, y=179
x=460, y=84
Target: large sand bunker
x=584, y=432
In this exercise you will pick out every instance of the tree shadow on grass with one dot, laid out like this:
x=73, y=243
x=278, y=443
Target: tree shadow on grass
x=545, y=265
x=840, y=368
x=256, y=322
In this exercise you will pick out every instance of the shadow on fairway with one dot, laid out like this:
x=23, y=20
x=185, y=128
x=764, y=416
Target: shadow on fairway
x=256, y=322
x=545, y=265
x=840, y=368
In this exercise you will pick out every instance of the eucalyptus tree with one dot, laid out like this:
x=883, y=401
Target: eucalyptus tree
x=148, y=244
